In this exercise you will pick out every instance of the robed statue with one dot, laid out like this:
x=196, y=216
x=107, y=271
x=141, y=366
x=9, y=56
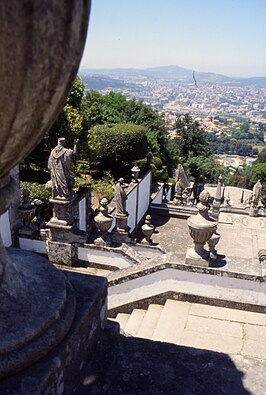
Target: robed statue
x=256, y=193
x=60, y=163
x=120, y=197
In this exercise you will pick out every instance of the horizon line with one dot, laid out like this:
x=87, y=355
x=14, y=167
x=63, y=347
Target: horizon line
x=165, y=66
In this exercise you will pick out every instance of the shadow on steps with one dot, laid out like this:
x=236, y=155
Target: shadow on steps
x=132, y=366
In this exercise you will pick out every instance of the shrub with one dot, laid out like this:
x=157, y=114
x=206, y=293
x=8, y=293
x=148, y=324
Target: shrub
x=120, y=145
x=37, y=191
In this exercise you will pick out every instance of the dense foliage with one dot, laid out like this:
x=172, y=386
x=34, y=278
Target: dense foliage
x=71, y=123
x=241, y=141
x=113, y=132
x=120, y=145
x=195, y=151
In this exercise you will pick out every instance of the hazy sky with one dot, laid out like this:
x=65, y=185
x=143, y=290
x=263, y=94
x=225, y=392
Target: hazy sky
x=222, y=36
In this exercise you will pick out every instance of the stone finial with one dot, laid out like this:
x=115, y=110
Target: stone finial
x=135, y=174
x=103, y=222
x=147, y=229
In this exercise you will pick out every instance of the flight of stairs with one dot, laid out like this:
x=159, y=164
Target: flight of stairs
x=201, y=326
x=163, y=323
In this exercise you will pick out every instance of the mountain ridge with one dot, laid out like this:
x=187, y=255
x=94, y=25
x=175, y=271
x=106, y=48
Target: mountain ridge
x=174, y=72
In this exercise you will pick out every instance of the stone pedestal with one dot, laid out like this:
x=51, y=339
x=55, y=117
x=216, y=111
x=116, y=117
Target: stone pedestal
x=62, y=253
x=177, y=199
x=64, y=233
x=120, y=232
x=253, y=211
x=63, y=211
x=59, y=372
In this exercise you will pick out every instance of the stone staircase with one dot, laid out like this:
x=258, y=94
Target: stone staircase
x=163, y=323
x=220, y=329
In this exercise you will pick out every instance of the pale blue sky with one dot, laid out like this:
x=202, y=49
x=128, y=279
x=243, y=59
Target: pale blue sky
x=222, y=36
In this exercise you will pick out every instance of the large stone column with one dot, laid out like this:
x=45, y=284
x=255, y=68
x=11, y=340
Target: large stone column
x=40, y=49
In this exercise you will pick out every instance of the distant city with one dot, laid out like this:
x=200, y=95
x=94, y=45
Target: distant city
x=208, y=97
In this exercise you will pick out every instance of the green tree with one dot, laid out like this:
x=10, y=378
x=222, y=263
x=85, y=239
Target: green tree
x=71, y=123
x=114, y=108
x=208, y=167
x=120, y=146
x=192, y=139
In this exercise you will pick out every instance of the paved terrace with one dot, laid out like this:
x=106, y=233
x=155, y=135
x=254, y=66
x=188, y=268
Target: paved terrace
x=241, y=239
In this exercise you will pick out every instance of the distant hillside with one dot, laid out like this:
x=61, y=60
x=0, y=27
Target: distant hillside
x=100, y=78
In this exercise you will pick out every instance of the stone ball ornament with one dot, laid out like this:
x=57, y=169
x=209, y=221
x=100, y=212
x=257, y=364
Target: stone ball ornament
x=41, y=44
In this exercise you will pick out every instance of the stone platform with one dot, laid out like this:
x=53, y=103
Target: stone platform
x=59, y=372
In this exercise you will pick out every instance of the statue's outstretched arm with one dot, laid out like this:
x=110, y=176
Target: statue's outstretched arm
x=75, y=146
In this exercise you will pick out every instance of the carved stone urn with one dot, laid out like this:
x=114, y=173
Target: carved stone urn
x=26, y=212
x=201, y=228
x=135, y=173
x=103, y=222
x=40, y=49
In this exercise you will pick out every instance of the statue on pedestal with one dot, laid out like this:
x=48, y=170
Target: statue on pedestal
x=255, y=199
x=182, y=182
x=257, y=192
x=120, y=233
x=60, y=163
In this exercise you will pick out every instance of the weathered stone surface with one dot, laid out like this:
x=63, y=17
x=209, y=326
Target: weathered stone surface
x=40, y=314
x=62, y=253
x=60, y=371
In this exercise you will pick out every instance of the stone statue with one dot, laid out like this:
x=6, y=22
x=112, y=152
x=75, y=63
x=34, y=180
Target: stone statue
x=120, y=197
x=180, y=175
x=26, y=199
x=59, y=164
x=185, y=196
x=178, y=193
x=257, y=191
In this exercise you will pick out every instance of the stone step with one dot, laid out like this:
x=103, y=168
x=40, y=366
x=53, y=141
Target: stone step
x=122, y=319
x=150, y=320
x=134, y=321
x=172, y=321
